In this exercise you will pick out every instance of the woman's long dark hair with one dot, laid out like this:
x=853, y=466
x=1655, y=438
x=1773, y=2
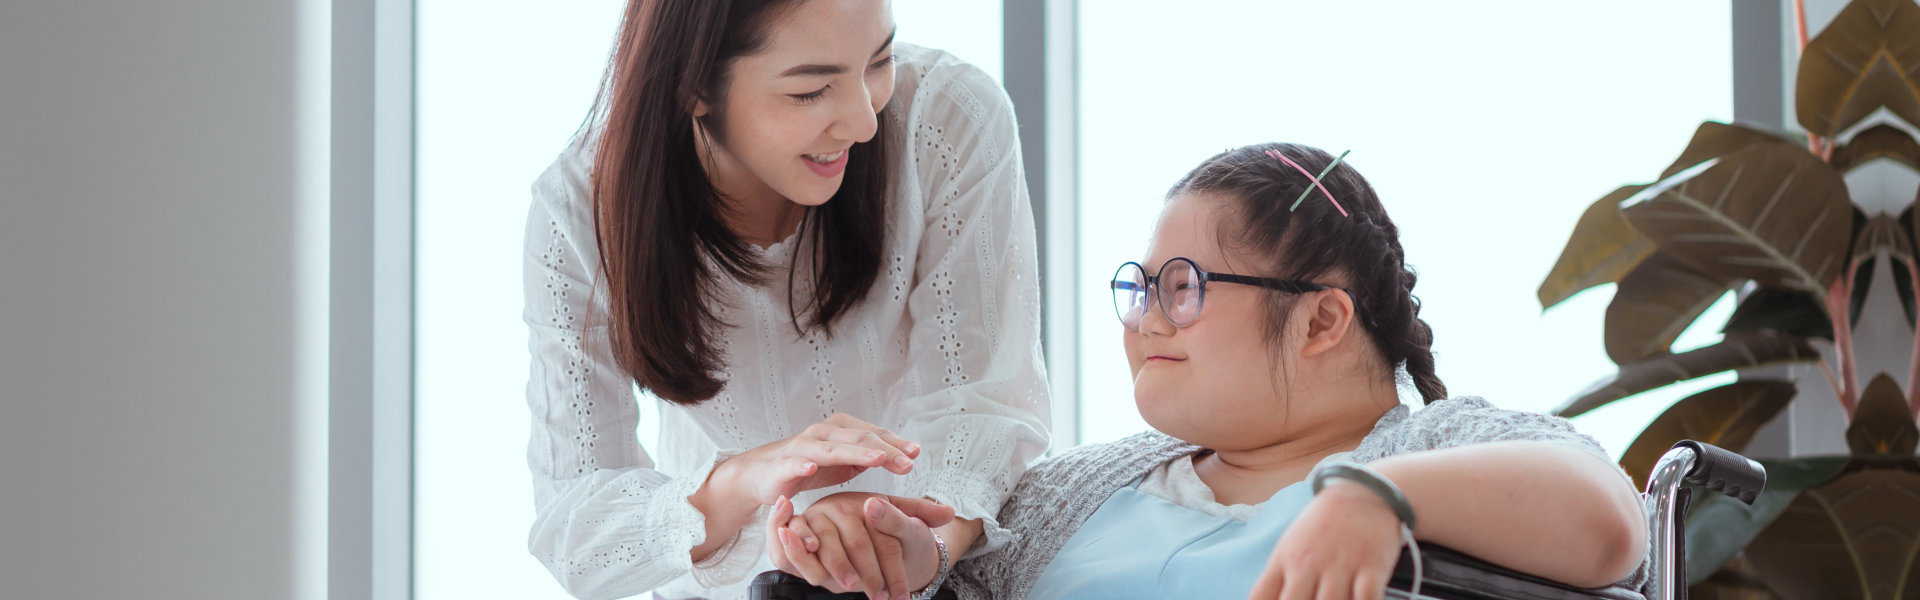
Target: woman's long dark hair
x=660, y=223
x=1315, y=240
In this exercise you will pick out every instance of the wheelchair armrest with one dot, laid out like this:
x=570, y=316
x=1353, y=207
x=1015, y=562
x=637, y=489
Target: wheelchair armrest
x=1453, y=575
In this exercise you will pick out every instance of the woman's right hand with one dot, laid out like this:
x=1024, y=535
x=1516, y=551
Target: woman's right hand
x=826, y=454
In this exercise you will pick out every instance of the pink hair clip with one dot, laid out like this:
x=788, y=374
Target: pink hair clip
x=1314, y=178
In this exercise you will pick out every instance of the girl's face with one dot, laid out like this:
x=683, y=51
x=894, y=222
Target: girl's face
x=1212, y=382
x=791, y=111
x=1219, y=382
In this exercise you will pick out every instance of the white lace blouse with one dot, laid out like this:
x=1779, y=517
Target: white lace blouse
x=944, y=350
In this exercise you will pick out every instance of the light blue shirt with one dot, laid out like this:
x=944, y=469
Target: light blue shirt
x=1138, y=545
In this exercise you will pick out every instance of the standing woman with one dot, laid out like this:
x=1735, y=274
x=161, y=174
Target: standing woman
x=814, y=246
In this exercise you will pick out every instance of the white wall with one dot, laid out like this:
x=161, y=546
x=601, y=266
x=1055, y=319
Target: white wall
x=155, y=281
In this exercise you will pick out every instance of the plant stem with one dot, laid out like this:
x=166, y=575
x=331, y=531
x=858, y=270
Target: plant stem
x=1800, y=32
x=1839, y=307
x=1832, y=382
x=1913, y=368
x=1800, y=24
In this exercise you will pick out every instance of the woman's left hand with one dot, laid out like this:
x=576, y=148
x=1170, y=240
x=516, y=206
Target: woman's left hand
x=1343, y=545
x=857, y=541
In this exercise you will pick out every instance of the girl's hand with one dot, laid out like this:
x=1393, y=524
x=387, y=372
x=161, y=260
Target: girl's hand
x=1343, y=545
x=856, y=541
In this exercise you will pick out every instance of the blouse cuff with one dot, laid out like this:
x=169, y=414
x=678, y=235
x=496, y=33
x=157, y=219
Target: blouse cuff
x=731, y=562
x=971, y=497
x=735, y=560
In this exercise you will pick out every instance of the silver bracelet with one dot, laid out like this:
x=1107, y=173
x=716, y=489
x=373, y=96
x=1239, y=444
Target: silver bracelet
x=938, y=578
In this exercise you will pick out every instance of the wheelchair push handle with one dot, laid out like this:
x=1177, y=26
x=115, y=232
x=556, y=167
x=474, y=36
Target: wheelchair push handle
x=1725, y=472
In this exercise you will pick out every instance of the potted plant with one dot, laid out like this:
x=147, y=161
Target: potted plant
x=1769, y=216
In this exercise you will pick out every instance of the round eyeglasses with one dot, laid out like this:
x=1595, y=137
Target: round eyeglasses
x=1180, y=289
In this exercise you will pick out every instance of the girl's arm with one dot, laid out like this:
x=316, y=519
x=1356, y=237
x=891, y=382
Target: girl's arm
x=1543, y=508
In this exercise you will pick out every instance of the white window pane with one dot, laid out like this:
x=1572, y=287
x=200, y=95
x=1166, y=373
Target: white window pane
x=501, y=87
x=1487, y=127
x=968, y=29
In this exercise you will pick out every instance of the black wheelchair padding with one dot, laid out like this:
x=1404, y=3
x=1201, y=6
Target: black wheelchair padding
x=778, y=585
x=1452, y=575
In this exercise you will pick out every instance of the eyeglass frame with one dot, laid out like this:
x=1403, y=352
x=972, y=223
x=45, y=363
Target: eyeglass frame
x=1153, y=289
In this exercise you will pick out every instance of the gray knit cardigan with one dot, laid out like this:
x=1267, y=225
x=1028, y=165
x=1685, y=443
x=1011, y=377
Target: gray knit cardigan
x=1055, y=497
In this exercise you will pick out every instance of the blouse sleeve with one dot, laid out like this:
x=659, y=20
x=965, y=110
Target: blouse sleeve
x=607, y=524
x=975, y=392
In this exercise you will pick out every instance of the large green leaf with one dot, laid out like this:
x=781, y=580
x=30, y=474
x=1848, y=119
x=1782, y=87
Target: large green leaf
x=1656, y=302
x=1771, y=213
x=1603, y=247
x=1879, y=141
x=1713, y=139
x=1791, y=312
x=1866, y=58
x=1718, y=527
x=1726, y=416
x=1735, y=351
x=1881, y=422
x=1856, y=537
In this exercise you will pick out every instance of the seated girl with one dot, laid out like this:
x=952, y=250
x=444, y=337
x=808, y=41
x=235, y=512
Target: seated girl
x=1267, y=338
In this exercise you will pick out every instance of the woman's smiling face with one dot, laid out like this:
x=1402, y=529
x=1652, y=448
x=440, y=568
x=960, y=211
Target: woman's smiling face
x=790, y=111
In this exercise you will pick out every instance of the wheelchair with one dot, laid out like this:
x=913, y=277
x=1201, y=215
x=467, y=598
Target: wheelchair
x=1444, y=574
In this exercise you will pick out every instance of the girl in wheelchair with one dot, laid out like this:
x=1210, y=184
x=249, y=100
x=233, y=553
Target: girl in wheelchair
x=1269, y=329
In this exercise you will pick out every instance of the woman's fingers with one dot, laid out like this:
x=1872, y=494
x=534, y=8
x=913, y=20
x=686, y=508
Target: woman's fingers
x=833, y=558
x=782, y=512
x=805, y=533
x=778, y=548
x=931, y=513
x=834, y=454
x=896, y=458
x=806, y=564
x=859, y=547
x=893, y=527
x=841, y=420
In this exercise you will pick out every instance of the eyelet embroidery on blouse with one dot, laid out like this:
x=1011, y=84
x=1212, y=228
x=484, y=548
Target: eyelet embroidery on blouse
x=824, y=392
x=989, y=279
x=948, y=317
x=652, y=536
x=725, y=404
x=581, y=402
x=770, y=365
x=897, y=274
